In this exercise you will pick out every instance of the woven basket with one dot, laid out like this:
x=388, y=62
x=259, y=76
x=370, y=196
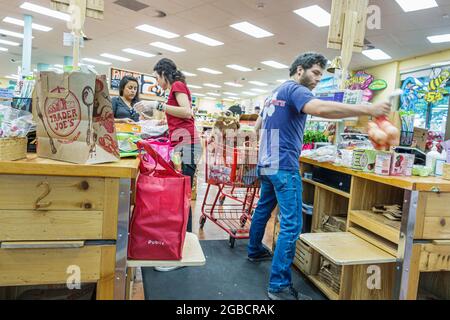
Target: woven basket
x=446, y=171
x=13, y=148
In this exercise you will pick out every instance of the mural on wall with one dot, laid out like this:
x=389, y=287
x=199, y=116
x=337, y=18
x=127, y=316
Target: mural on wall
x=427, y=97
x=436, y=88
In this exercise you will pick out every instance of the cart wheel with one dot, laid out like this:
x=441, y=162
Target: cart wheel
x=221, y=200
x=231, y=242
x=202, y=221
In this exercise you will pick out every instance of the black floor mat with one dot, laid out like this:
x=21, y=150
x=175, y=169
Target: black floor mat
x=227, y=275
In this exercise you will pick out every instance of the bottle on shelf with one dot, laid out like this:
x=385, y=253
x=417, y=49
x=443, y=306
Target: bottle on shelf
x=432, y=156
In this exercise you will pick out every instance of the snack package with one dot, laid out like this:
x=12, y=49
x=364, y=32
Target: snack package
x=364, y=160
x=15, y=123
x=402, y=164
x=383, y=163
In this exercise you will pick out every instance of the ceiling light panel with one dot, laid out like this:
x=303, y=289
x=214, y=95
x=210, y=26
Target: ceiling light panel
x=376, y=54
x=114, y=57
x=203, y=39
x=251, y=30
x=167, y=47
x=97, y=61
x=157, y=31
x=415, y=5
x=138, y=52
x=258, y=83
x=45, y=11
x=21, y=23
x=275, y=64
x=316, y=15
x=210, y=71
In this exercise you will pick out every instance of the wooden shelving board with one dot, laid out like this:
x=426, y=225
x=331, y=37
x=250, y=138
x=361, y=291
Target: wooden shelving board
x=323, y=287
x=377, y=224
x=324, y=186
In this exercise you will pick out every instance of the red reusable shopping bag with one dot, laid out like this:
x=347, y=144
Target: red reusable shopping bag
x=158, y=225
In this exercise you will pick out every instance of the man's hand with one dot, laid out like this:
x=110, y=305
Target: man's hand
x=380, y=109
x=146, y=106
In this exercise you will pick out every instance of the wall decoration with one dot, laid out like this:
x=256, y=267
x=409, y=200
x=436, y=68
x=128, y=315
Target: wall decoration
x=147, y=83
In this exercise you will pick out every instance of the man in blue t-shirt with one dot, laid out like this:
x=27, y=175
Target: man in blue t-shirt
x=282, y=124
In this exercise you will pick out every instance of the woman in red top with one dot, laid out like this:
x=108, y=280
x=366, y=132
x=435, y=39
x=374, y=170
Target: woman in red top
x=180, y=117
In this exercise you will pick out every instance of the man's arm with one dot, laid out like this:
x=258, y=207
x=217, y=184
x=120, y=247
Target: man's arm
x=336, y=110
x=258, y=124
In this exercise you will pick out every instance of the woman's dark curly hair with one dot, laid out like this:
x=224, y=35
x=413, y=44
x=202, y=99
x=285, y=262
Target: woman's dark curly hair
x=168, y=69
x=122, y=85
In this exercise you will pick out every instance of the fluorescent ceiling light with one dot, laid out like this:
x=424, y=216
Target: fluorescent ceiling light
x=248, y=93
x=18, y=22
x=205, y=40
x=188, y=74
x=238, y=68
x=210, y=98
x=415, y=5
x=58, y=66
x=114, y=57
x=12, y=34
x=167, y=47
x=97, y=61
x=275, y=64
x=316, y=15
x=259, y=90
x=281, y=81
x=439, y=39
x=211, y=71
x=213, y=94
x=14, y=77
x=10, y=43
x=212, y=85
x=230, y=94
x=376, y=54
x=87, y=65
x=233, y=84
x=194, y=86
x=230, y=100
x=251, y=30
x=198, y=94
x=157, y=31
x=45, y=11
x=258, y=83
x=3, y=49
x=138, y=52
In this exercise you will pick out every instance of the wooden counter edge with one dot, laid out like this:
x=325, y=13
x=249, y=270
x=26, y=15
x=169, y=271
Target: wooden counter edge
x=409, y=183
x=125, y=168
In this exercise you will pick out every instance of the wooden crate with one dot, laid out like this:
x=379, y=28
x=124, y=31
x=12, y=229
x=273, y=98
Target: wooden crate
x=303, y=257
x=433, y=216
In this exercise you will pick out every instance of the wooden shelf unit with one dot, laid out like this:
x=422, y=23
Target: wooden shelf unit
x=428, y=262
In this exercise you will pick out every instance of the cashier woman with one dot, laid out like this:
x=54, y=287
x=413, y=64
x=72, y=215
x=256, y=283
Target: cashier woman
x=123, y=106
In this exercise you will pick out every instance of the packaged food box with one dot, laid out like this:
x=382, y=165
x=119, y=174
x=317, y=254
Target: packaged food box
x=402, y=164
x=364, y=160
x=383, y=162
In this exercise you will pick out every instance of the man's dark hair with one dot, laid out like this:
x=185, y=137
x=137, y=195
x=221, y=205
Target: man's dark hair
x=122, y=85
x=167, y=68
x=307, y=60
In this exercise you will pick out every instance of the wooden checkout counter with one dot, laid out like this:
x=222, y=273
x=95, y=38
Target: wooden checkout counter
x=55, y=214
x=412, y=256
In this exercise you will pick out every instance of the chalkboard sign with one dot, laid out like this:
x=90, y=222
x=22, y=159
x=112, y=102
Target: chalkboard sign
x=147, y=83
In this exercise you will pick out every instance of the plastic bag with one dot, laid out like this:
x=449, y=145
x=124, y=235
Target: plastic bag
x=15, y=123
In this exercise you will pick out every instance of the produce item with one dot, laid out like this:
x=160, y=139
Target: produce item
x=421, y=171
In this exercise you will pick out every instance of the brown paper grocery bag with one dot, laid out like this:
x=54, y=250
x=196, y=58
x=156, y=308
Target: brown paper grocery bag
x=73, y=120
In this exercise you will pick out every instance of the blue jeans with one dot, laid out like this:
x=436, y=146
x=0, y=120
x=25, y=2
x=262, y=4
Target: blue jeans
x=285, y=189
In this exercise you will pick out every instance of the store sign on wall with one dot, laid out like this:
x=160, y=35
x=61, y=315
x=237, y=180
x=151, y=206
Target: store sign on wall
x=6, y=93
x=361, y=80
x=147, y=83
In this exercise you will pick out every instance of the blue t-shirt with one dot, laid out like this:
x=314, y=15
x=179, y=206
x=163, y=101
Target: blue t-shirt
x=282, y=127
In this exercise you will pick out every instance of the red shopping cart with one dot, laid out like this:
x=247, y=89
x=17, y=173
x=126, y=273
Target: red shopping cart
x=232, y=172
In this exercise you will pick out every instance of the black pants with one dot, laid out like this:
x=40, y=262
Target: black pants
x=190, y=155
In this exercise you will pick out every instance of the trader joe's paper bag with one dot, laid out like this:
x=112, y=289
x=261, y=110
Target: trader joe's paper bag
x=76, y=122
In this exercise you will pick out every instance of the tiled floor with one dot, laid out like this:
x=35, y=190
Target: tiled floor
x=210, y=231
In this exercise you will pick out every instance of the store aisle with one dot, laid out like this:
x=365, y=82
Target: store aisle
x=227, y=275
